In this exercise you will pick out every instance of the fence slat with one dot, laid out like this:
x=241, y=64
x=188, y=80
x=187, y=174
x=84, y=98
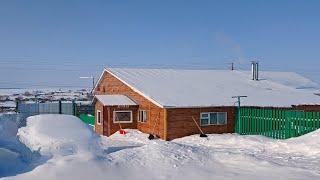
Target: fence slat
x=318, y=120
x=276, y=123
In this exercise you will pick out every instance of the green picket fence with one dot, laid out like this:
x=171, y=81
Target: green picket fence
x=276, y=123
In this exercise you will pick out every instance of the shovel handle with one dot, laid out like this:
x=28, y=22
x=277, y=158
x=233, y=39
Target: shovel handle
x=119, y=121
x=197, y=125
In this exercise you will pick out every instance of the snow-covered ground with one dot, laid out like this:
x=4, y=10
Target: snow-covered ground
x=8, y=97
x=71, y=150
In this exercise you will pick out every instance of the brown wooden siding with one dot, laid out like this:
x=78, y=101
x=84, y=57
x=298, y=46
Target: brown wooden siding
x=99, y=128
x=111, y=85
x=307, y=108
x=180, y=123
x=114, y=127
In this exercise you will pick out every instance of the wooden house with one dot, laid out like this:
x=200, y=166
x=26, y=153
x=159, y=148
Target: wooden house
x=165, y=101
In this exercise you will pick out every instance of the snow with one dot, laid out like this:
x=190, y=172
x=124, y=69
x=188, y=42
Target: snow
x=112, y=100
x=52, y=134
x=189, y=88
x=9, y=104
x=73, y=151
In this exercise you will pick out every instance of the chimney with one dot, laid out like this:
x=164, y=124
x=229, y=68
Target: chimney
x=257, y=71
x=253, y=70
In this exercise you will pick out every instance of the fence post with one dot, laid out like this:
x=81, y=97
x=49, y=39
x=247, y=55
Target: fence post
x=17, y=105
x=60, y=107
x=74, y=107
x=239, y=116
x=287, y=125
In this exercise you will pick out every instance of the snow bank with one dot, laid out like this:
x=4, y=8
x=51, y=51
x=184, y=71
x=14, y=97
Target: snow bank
x=308, y=144
x=77, y=153
x=57, y=134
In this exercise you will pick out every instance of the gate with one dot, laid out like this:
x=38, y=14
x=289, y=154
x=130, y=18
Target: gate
x=276, y=123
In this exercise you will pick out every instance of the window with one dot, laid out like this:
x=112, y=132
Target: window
x=98, y=117
x=142, y=116
x=213, y=118
x=122, y=116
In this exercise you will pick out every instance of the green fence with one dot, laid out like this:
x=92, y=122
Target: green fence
x=87, y=118
x=276, y=123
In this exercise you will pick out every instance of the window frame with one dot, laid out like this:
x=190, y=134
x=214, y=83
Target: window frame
x=98, y=117
x=117, y=122
x=145, y=116
x=209, y=124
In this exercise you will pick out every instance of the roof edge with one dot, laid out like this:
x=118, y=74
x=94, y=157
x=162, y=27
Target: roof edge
x=96, y=98
x=133, y=88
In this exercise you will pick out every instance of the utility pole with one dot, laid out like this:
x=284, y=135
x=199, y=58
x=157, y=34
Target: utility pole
x=89, y=77
x=231, y=66
x=239, y=115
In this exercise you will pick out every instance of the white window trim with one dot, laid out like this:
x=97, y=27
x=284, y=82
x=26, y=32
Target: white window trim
x=226, y=120
x=145, y=117
x=117, y=122
x=98, y=117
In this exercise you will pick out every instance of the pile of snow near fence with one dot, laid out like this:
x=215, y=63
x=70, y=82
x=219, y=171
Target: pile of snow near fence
x=57, y=134
x=73, y=151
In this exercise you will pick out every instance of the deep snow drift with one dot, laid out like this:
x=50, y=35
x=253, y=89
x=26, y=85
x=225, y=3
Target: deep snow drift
x=74, y=151
x=15, y=157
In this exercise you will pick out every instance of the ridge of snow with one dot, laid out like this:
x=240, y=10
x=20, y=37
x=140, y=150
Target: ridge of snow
x=132, y=156
x=53, y=134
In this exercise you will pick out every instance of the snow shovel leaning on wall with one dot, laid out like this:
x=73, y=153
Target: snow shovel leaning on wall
x=121, y=131
x=201, y=132
x=152, y=136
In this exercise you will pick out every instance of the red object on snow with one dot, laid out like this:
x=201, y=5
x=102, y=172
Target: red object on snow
x=122, y=131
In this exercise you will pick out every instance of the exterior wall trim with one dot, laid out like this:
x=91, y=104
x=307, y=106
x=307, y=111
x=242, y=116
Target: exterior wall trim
x=131, y=116
x=165, y=124
x=134, y=89
x=226, y=120
x=99, y=123
x=98, y=82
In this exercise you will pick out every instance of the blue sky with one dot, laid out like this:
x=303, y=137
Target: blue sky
x=52, y=43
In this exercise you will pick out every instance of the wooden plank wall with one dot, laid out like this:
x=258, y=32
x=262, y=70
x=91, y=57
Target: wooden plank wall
x=180, y=123
x=307, y=108
x=99, y=128
x=111, y=85
x=114, y=127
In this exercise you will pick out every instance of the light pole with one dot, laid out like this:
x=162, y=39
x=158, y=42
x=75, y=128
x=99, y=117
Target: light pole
x=239, y=115
x=89, y=77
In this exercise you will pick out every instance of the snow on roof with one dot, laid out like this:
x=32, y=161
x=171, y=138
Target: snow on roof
x=114, y=100
x=194, y=88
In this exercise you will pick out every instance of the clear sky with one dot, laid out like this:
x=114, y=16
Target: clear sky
x=52, y=43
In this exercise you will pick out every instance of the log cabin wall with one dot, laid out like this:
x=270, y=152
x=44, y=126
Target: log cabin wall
x=99, y=127
x=180, y=122
x=114, y=127
x=155, y=114
x=307, y=108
